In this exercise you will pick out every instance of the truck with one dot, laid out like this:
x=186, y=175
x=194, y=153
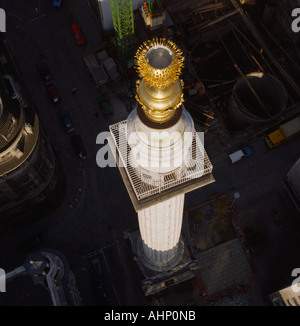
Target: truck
x=95, y=69
x=286, y=131
x=242, y=153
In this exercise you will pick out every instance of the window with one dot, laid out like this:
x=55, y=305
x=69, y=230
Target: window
x=5, y=157
x=170, y=177
x=11, y=128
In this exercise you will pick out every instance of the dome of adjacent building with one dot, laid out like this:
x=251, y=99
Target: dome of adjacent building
x=11, y=122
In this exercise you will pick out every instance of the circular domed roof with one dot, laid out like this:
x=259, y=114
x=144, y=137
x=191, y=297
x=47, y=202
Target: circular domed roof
x=11, y=121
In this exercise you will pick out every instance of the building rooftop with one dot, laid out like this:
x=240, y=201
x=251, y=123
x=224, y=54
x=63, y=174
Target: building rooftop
x=19, y=126
x=210, y=224
x=222, y=260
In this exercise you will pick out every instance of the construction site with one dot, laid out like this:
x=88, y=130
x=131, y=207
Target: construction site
x=241, y=79
x=241, y=59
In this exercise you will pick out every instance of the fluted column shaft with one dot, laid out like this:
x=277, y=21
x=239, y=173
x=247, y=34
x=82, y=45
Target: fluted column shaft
x=160, y=228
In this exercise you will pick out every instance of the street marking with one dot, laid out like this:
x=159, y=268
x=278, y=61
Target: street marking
x=36, y=18
x=99, y=251
x=22, y=5
x=105, y=262
x=111, y=282
x=116, y=294
x=13, y=15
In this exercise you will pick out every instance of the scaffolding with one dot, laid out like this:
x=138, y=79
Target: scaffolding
x=122, y=15
x=153, y=8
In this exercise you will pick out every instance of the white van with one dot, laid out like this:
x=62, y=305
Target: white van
x=238, y=155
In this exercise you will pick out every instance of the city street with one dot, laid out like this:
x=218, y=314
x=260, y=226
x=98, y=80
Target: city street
x=96, y=209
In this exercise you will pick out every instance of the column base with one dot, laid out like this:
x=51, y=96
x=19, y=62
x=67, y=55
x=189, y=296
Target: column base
x=154, y=277
x=158, y=266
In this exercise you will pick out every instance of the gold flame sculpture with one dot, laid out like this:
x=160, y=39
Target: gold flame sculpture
x=159, y=63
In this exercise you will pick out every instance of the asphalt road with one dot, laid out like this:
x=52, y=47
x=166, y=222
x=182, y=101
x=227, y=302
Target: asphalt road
x=97, y=209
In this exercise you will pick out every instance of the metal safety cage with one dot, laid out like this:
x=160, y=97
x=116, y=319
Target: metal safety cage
x=197, y=166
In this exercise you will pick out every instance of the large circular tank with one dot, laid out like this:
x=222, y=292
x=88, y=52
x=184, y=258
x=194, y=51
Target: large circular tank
x=256, y=99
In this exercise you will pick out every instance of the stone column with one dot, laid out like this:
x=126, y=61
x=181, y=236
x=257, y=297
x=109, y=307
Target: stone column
x=160, y=228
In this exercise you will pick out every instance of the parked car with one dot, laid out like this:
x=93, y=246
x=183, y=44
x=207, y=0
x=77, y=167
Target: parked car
x=78, y=146
x=242, y=153
x=105, y=106
x=79, y=38
x=66, y=119
x=57, y=3
x=45, y=73
x=53, y=93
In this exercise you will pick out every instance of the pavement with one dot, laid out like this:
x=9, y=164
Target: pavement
x=97, y=209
